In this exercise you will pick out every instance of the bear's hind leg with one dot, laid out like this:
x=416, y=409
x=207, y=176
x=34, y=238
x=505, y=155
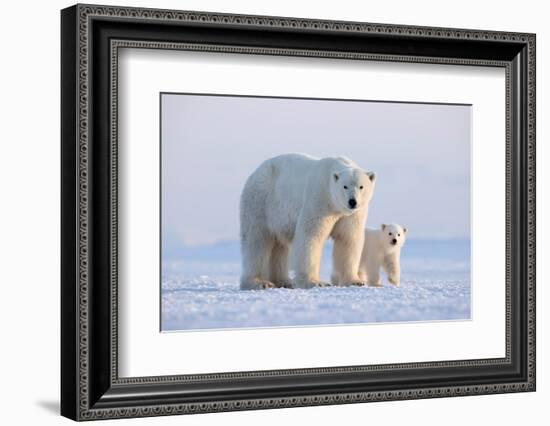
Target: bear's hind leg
x=278, y=265
x=255, y=251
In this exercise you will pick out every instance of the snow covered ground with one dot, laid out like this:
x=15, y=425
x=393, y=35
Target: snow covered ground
x=200, y=290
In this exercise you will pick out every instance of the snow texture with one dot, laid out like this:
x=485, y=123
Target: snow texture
x=200, y=290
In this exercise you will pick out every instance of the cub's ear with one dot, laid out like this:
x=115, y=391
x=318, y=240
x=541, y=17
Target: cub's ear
x=383, y=226
x=405, y=230
x=336, y=177
x=371, y=175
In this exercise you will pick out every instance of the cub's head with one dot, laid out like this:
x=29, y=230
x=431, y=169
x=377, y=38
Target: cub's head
x=393, y=235
x=351, y=189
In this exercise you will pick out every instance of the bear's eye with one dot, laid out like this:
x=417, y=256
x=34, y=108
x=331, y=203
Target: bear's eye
x=389, y=233
x=398, y=235
x=345, y=187
x=361, y=187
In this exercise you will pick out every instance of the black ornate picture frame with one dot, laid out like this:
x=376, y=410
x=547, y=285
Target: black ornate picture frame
x=90, y=385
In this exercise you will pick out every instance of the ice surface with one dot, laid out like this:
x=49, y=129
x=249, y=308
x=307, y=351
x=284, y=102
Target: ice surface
x=200, y=290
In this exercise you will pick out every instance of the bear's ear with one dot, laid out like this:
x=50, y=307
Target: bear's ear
x=383, y=226
x=405, y=230
x=336, y=177
x=371, y=175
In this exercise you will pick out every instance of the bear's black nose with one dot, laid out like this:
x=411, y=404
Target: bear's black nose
x=394, y=241
x=352, y=203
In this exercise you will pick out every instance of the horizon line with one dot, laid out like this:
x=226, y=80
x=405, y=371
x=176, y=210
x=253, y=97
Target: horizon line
x=230, y=241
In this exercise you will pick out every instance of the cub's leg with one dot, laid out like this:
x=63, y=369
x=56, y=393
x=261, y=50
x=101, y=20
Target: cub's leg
x=392, y=269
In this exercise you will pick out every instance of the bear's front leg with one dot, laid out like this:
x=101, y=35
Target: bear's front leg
x=308, y=260
x=346, y=255
x=307, y=250
x=348, y=238
x=362, y=274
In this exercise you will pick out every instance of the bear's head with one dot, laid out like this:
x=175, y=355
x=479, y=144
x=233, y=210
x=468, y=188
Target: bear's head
x=393, y=235
x=351, y=189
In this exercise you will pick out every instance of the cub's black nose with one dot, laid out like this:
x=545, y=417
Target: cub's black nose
x=352, y=203
x=394, y=241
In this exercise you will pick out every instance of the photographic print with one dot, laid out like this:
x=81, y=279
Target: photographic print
x=281, y=212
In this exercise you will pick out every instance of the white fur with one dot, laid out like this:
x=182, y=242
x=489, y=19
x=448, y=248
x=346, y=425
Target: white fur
x=301, y=200
x=380, y=251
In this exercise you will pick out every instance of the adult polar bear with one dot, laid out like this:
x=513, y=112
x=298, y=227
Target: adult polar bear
x=301, y=200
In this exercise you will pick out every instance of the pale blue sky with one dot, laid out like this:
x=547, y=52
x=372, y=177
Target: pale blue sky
x=210, y=144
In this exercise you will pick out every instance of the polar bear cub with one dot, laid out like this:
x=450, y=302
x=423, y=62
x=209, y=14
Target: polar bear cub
x=382, y=249
x=301, y=201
